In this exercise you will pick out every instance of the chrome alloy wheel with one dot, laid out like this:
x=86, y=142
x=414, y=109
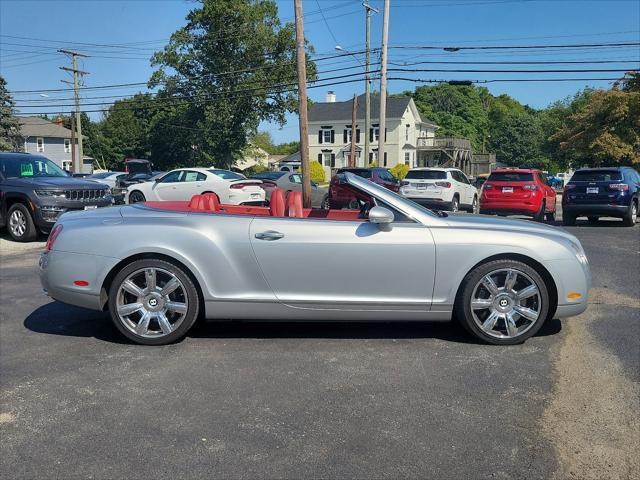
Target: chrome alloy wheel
x=18, y=223
x=151, y=302
x=506, y=303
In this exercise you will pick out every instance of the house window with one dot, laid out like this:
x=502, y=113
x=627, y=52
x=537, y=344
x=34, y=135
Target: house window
x=407, y=158
x=326, y=134
x=376, y=134
x=67, y=145
x=66, y=165
x=406, y=132
x=40, y=144
x=328, y=159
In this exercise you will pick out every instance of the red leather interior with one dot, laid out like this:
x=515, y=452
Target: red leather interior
x=209, y=203
x=277, y=203
x=294, y=204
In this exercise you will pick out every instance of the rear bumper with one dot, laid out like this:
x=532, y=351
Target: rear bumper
x=434, y=203
x=524, y=208
x=594, y=209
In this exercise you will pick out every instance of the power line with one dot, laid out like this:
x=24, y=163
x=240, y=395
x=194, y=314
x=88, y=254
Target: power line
x=507, y=62
x=514, y=47
x=471, y=70
x=506, y=80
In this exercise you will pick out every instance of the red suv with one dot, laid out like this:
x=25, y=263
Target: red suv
x=518, y=192
x=341, y=197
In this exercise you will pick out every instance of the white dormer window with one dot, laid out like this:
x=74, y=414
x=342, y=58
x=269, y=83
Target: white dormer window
x=40, y=145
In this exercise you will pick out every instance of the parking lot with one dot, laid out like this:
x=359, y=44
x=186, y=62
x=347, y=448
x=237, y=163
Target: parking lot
x=242, y=400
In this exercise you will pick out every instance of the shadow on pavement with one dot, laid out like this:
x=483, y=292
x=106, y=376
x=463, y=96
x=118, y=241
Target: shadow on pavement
x=56, y=318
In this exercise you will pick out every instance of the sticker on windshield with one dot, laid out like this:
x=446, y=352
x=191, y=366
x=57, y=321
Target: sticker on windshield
x=26, y=170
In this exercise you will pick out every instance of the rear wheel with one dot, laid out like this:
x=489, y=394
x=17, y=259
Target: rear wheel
x=474, y=206
x=455, y=204
x=631, y=215
x=568, y=220
x=136, y=197
x=153, y=302
x=539, y=217
x=20, y=224
x=551, y=216
x=326, y=203
x=502, y=302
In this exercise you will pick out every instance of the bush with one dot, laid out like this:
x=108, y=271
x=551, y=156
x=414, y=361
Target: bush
x=317, y=172
x=399, y=171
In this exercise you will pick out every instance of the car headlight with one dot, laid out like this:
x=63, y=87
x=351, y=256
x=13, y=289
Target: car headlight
x=579, y=253
x=49, y=193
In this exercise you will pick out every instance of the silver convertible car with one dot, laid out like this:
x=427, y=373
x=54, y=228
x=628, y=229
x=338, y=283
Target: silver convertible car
x=159, y=266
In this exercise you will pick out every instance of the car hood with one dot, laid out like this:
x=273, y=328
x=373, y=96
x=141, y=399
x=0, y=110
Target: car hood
x=500, y=224
x=56, y=182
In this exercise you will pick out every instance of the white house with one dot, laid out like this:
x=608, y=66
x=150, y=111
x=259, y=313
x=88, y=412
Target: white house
x=330, y=132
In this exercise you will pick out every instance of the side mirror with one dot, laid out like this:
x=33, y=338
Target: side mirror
x=157, y=179
x=383, y=217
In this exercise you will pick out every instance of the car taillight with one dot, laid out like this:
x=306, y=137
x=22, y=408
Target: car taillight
x=531, y=186
x=569, y=186
x=621, y=187
x=444, y=184
x=404, y=183
x=240, y=186
x=53, y=236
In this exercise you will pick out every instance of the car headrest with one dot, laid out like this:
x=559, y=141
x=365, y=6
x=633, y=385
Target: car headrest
x=294, y=202
x=198, y=204
x=211, y=202
x=277, y=203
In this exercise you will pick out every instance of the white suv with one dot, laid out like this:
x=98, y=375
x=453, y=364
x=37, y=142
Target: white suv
x=440, y=188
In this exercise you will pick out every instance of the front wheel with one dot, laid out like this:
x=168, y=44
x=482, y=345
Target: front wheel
x=136, y=197
x=502, y=302
x=20, y=224
x=475, y=208
x=153, y=302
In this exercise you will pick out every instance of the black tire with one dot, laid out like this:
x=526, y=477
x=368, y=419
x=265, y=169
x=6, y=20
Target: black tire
x=455, y=204
x=354, y=204
x=475, y=206
x=568, y=220
x=630, y=217
x=20, y=223
x=551, y=216
x=539, y=217
x=462, y=308
x=592, y=220
x=190, y=292
x=136, y=197
x=326, y=203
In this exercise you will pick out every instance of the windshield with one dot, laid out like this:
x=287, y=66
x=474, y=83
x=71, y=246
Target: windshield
x=596, y=176
x=100, y=176
x=361, y=172
x=268, y=175
x=510, y=177
x=30, y=166
x=426, y=175
x=227, y=175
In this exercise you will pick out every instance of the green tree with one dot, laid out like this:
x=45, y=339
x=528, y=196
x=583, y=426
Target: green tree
x=235, y=63
x=518, y=141
x=9, y=127
x=606, y=131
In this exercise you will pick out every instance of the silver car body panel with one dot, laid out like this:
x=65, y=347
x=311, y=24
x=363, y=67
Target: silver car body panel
x=319, y=269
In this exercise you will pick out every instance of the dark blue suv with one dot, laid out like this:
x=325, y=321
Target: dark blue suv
x=602, y=192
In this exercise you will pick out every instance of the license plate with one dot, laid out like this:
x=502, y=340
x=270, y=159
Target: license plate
x=422, y=186
x=507, y=189
x=592, y=190
x=90, y=207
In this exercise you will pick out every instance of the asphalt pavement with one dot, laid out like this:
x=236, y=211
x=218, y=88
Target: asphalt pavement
x=293, y=400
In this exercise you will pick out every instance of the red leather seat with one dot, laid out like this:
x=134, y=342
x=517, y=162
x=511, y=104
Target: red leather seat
x=294, y=202
x=197, y=204
x=277, y=203
x=211, y=202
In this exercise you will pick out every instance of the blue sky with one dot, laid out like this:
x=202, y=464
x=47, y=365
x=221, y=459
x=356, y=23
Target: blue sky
x=30, y=63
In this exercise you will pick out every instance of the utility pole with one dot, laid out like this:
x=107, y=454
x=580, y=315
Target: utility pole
x=76, y=85
x=367, y=83
x=354, y=109
x=302, y=105
x=383, y=84
x=73, y=144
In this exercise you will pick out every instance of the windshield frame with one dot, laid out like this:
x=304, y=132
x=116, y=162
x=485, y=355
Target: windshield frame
x=32, y=159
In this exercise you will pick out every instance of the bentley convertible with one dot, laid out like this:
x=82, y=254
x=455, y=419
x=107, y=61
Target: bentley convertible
x=159, y=266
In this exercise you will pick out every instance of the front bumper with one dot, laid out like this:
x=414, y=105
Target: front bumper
x=46, y=214
x=434, y=203
x=577, y=210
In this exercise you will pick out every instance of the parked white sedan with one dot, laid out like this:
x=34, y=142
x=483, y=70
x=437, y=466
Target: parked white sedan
x=184, y=183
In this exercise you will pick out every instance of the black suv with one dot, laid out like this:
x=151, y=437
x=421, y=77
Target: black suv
x=34, y=191
x=602, y=192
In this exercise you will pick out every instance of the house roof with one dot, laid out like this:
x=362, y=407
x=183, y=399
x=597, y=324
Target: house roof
x=332, y=111
x=39, y=127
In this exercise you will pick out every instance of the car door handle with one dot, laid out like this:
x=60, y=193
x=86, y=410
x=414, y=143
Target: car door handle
x=269, y=235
